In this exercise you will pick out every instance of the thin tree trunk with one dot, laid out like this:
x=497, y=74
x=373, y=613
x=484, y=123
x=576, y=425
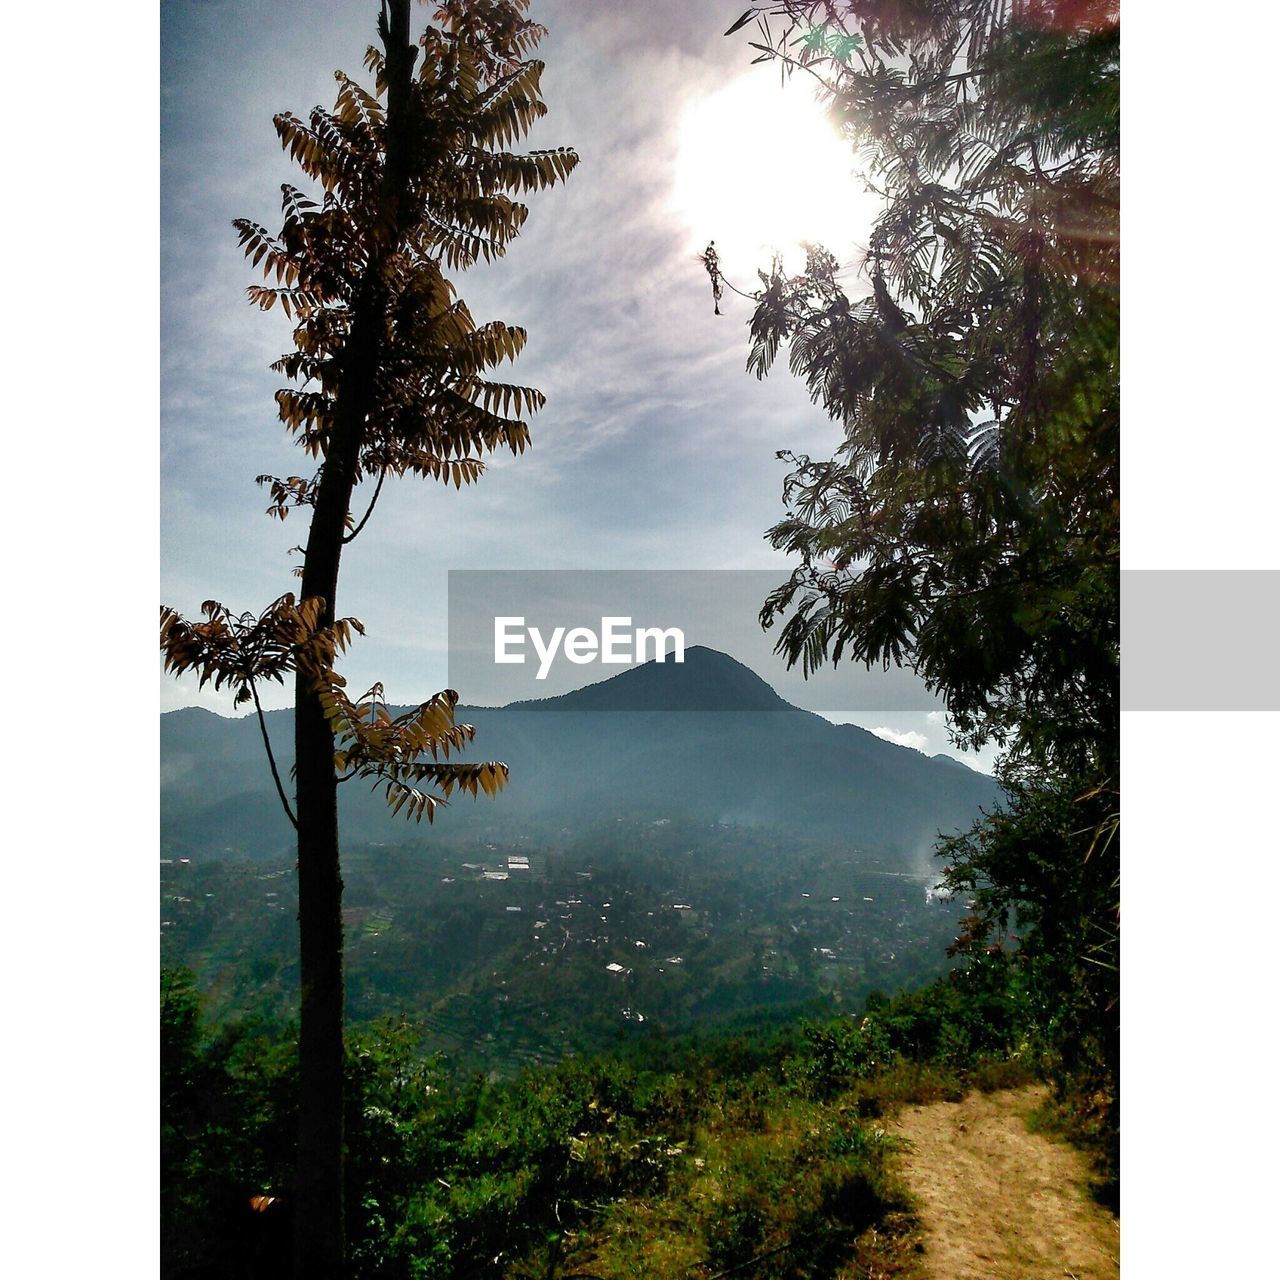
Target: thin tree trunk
x=319, y=1222
x=319, y=1217
x=319, y=1250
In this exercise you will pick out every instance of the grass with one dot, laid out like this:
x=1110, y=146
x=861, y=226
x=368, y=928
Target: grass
x=1084, y=1118
x=774, y=1184
x=771, y=1187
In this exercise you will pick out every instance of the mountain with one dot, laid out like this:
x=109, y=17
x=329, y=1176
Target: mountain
x=706, y=740
x=706, y=680
x=942, y=758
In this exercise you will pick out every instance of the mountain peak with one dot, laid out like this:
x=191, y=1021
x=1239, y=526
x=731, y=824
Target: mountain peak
x=942, y=758
x=789, y=770
x=707, y=680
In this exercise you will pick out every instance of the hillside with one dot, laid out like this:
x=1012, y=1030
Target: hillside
x=705, y=741
x=894, y=1143
x=650, y=870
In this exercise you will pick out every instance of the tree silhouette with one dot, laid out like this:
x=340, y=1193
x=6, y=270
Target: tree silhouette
x=968, y=523
x=389, y=377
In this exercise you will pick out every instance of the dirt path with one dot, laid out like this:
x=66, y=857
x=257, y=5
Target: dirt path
x=998, y=1202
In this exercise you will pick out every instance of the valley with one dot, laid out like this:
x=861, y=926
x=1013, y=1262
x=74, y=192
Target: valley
x=625, y=933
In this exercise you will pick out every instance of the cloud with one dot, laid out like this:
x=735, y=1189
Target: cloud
x=917, y=741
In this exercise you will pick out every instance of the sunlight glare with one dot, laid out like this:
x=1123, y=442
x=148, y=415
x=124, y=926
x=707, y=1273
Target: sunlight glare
x=759, y=167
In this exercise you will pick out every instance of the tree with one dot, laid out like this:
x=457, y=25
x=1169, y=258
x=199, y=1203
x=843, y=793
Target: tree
x=1046, y=865
x=390, y=378
x=968, y=523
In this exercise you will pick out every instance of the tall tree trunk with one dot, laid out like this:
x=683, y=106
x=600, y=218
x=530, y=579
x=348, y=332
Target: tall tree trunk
x=319, y=1219
x=319, y=1241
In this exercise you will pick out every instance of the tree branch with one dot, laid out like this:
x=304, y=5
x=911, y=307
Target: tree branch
x=271, y=760
x=373, y=502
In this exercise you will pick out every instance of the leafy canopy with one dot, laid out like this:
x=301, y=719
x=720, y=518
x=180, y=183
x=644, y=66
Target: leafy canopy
x=433, y=410
x=968, y=523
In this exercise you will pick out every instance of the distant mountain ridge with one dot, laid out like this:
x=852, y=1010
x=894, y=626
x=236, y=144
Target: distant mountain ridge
x=705, y=739
x=707, y=680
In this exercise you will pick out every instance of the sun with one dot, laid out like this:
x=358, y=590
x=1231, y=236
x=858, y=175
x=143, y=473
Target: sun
x=759, y=168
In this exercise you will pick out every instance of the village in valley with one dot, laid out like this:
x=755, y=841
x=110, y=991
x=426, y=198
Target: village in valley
x=510, y=953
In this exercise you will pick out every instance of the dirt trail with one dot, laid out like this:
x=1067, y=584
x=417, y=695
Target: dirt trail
x=998, y=1202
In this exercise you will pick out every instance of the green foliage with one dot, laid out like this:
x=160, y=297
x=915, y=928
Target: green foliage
x=1048, y=866
x=968, y=524
x=711, y=1155
x=226, y=1134
x=969, y=1017
x=835, y=1055
x=461, y=1178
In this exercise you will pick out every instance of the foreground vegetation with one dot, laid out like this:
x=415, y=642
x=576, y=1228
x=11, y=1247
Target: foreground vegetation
x=671, y=1157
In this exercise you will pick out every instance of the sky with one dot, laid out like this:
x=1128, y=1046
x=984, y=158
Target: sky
x=656, y=450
